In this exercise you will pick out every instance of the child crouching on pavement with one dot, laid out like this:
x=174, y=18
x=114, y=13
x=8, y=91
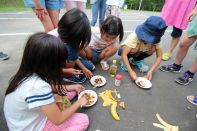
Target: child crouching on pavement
x=141, y=44
x=103, y=41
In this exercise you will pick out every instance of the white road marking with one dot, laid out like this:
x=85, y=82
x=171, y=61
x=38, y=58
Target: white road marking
x=29, y=33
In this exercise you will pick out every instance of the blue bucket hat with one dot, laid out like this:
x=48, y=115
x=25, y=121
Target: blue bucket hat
x=151, y=30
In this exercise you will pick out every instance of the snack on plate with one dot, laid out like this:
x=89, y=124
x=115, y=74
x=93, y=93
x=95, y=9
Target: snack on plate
x=98, y=81
x=141, y=84
x=89, y=97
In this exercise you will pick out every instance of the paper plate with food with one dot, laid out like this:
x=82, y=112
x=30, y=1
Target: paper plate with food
x=98, y=81
x=90, y=95
x=143, y=83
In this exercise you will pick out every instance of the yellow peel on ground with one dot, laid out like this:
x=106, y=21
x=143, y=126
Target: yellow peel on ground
x=122, y=104
x=114, y=112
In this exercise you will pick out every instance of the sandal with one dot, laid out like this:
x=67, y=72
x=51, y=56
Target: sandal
x=166, y=56
x=192, y=99
x=104, y=65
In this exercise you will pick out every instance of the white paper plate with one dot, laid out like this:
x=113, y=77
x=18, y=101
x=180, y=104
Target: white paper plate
x=92, y=80
x=147, y=83
x=92, y=93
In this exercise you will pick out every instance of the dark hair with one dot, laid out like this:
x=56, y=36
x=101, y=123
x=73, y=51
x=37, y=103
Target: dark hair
x=74, y=28
x=44, y=55
x=113, y=26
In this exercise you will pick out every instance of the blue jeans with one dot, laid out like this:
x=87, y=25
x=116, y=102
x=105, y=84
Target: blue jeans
x=98, y=7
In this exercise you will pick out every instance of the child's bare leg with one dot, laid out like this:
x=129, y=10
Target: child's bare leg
x=108, y=52
x=186, y=42
x=86, y=53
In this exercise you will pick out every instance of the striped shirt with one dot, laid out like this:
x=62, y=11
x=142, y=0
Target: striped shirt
x=22, y=107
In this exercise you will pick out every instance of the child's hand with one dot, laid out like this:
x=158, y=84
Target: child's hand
x=83, y=101
x=72, y=71
x=149, y=75
x=87, y=73
x=77, y=88
x=133, y=75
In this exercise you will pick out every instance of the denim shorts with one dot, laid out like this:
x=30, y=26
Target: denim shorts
x=95, y=55
x=48, y=4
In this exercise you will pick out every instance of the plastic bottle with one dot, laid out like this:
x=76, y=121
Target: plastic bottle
x=113, y=69
x=118, y=80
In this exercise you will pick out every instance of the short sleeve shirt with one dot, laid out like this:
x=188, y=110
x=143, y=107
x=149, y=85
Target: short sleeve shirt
x=73, y=53
x=132, y=41
x=22, y=107
x=96, y=41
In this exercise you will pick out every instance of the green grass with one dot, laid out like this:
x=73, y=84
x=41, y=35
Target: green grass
x=14, y=9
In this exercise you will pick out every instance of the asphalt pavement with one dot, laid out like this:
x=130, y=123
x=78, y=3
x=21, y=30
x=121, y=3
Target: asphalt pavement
x=165, y=97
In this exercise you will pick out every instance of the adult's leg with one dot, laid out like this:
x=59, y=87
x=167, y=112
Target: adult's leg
x=95, y=7
x=77, y=122
x=54, y=15
x=70, y=5
x=81, y=5
x=186, y=42
x=108, y=10
x=102, y=11
x=193, y=68
x=176, y=35
x=108, y=52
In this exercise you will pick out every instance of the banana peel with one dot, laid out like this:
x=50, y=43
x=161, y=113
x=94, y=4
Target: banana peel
x=108, y=99
x=164, y=125
x=122, y=105
x=114, y=112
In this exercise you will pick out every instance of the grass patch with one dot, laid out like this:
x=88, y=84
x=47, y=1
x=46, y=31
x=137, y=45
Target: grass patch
x=14, y=9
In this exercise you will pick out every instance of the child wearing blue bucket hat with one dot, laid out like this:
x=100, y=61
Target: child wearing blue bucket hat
x=141, y=44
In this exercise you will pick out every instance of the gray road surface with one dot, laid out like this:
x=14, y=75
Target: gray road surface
x=166, y=97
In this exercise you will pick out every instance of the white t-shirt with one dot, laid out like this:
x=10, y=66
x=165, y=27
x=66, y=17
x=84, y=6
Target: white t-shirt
x=96, y=41
x=115, y=2
x=54, y=32
x=22, y=107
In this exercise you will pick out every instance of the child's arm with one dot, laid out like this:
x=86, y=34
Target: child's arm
x=86, y=72
x=155, y=64
x=125, y=52
x=56, y=116
x=71, y=71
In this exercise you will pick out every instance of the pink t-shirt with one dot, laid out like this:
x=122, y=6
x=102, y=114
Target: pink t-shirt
x=96, y=41
x=175, y=12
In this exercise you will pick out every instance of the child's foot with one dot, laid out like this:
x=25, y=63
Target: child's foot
x=171, y=68
x=185, y=79
x=166, y=56
x=77, y=79
x=104, y=65
x=123, y=66
x=140, y=64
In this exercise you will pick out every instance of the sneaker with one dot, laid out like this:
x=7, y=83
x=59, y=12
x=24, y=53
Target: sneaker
x=140, y=64
x=77, y=79
x=185, y=79
x=170, y=68
x=166, y=56
x=88, y=64
x=3, y=56
x=123, y=66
